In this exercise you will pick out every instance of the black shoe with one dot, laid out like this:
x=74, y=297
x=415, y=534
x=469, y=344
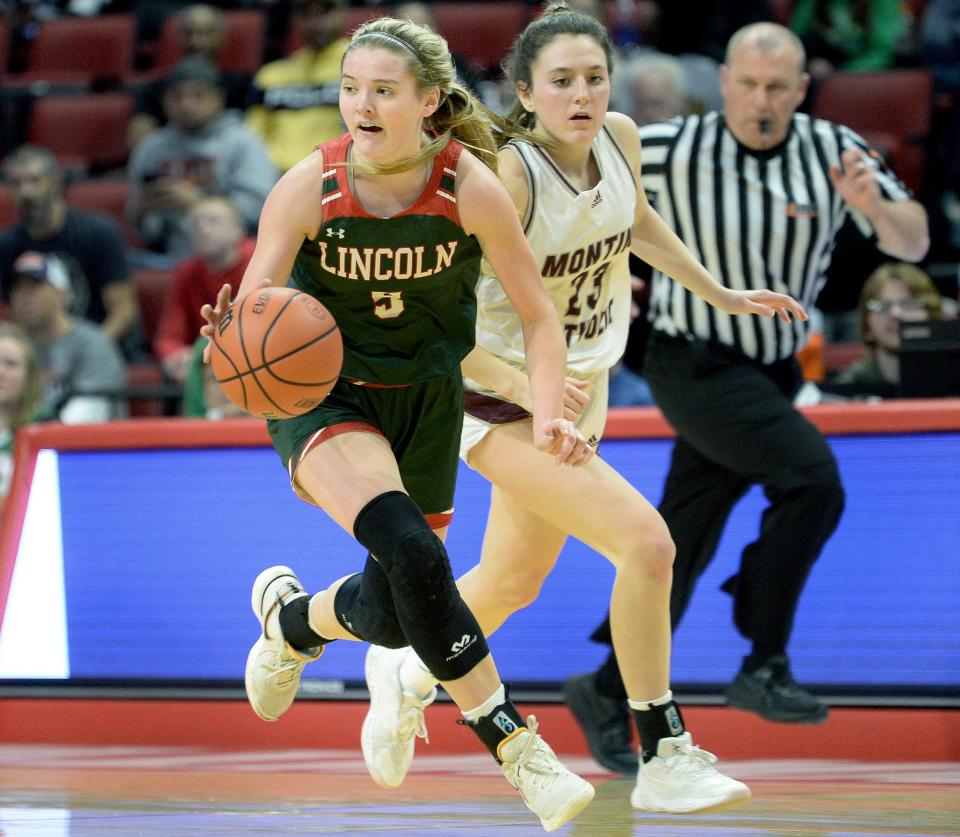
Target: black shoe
x=605, y=723
x=772, y=693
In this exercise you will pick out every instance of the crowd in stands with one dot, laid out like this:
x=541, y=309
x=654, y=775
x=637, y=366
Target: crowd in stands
x=113, y=233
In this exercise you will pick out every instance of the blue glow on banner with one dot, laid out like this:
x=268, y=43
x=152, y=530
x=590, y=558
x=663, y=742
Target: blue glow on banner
x=161, y=547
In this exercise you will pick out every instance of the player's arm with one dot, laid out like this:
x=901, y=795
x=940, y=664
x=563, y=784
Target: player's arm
x=487, y=211
x=480, y=365
x=495, y=374
x=660, y=247
x=487, y=369
x=290, y=213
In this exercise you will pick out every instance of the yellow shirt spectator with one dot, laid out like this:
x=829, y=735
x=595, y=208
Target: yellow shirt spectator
x=296, y=105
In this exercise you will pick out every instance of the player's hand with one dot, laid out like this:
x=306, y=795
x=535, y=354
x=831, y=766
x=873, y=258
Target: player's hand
x=764, y=303
x=857, y=183
x=561, y=439
x=575, y=398
x=214, y=314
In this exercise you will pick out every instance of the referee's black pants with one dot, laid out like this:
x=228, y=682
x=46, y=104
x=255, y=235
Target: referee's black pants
x=736, y=426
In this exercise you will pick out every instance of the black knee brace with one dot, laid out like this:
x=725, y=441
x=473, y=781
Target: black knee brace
x=364, y=606
x=434, y=618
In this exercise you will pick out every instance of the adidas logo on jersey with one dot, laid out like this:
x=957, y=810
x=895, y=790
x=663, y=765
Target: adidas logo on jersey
x=597, y=200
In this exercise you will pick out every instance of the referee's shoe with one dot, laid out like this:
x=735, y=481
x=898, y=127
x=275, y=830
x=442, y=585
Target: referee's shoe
x=772, y=693
x=605, y=723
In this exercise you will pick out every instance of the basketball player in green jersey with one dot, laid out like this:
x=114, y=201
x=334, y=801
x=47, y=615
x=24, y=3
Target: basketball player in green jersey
x=386, y=226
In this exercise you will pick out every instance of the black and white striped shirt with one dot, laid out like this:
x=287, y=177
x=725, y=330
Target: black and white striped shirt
x=754, y=219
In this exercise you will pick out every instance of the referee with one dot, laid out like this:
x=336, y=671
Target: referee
x=758, y=194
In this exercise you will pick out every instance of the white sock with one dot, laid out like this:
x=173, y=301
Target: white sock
x=498, y=698
x=415, y=678
x=647, y=705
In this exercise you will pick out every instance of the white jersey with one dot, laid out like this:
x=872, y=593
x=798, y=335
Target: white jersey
x=582, y=243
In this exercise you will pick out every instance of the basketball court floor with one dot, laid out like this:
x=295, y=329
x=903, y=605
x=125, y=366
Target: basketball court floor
x=159, y=791
x=87, y=766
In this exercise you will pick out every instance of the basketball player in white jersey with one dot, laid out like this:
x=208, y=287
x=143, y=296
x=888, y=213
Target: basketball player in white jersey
x=577, y=189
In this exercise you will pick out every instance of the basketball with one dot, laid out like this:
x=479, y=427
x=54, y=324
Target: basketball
x=277, y=353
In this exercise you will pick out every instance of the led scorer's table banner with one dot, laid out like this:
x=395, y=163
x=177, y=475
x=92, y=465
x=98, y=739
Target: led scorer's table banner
x=128, y=550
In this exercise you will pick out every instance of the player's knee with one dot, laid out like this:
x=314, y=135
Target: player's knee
x=516, y=589
x=648, y=549
x=422, y=579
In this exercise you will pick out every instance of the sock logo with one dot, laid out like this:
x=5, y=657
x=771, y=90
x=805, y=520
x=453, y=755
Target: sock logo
x=504, y=722
x=673, y=720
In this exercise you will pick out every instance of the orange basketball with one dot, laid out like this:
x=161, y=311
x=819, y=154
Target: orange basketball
x=277, y=353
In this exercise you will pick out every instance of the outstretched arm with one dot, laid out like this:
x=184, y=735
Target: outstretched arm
x=660, y=247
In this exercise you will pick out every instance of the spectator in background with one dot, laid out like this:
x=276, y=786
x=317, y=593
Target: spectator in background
x=295, y=102
x=895, y=293
x=420, y=13
x=80, y=366
x=204, y=150
x=848, y=34
x=202, y=32
x=202, y=396
x=651, y=88
x=20, y=390
x=88, y=243
x=222, y=251
x=692, y=27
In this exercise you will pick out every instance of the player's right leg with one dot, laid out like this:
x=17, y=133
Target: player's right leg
x=294, y=627
x=433, y=616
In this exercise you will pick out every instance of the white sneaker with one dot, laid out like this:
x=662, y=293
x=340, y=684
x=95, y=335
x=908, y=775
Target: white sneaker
x=394, y=721
x=273, y=666
x=551, y=791
x=681, y=779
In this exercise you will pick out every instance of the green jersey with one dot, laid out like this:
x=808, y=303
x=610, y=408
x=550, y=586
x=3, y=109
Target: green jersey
x=402, y=289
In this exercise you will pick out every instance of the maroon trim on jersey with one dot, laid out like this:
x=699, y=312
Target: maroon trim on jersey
x=440, y=519
x=492, y=410
x=428, y=202
x=329, y=432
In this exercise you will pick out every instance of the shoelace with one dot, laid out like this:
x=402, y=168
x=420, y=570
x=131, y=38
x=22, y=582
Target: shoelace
x=690, y=759
x=284, y=668
x=535, y=757
x=412, y=721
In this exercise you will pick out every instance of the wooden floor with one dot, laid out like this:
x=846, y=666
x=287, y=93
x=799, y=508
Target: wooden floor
x=65, y=791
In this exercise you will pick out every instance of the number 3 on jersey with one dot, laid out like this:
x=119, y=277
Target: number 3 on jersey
x=387, y=304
